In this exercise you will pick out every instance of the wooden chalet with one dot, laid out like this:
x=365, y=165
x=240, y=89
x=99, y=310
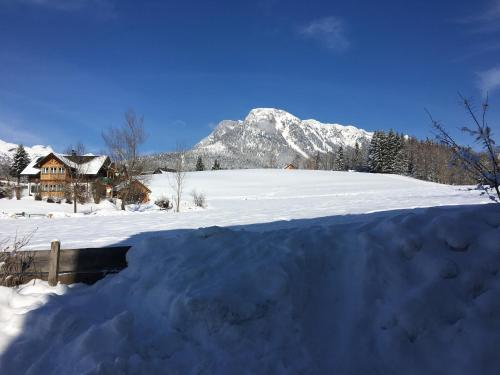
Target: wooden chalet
x=50, y=175
x=290, y=167
x=163, y=170
x=139, y=191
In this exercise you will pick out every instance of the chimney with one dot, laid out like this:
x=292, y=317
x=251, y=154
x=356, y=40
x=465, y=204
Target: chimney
x=73, y=153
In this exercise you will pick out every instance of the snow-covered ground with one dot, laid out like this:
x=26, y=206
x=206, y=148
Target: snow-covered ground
x=235, y=197
x=415, y=292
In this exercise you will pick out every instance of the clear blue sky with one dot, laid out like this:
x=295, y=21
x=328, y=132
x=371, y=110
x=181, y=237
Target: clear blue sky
x=70, y=68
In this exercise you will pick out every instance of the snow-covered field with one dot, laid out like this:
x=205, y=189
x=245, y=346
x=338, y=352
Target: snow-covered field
x=294, y=272
x=234, y=197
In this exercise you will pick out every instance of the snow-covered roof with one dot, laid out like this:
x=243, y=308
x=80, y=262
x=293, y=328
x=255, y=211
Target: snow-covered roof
x=89, y=165
x=124, y=184
x=95, y=164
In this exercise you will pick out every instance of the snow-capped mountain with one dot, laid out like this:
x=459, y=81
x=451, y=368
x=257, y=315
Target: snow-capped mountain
x=269, y=132
x=9, y=149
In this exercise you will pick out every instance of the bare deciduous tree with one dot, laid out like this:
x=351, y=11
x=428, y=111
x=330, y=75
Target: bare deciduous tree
x=485, y=167
x=273, y=160
x=179, y=176
x=5, y=189
x=123, y=144
x=5, y=163
x=77, y=173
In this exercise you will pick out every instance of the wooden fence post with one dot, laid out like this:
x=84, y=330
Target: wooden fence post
x=55, y=248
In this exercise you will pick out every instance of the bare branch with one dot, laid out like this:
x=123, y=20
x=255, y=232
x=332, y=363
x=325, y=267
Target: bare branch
x=123, y=144
x=485, y=167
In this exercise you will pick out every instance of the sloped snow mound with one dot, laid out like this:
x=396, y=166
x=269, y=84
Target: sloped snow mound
x=417, y=293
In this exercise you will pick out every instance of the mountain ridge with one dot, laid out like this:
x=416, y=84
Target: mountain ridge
x=271, y=132
x=265, y=137
x=9, y=149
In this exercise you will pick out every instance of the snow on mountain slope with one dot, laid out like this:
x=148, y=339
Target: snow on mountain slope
x=269, y=131
x=9, y=149
x=414, y=293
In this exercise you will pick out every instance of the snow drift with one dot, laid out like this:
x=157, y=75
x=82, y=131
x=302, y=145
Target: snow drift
x=415, y=293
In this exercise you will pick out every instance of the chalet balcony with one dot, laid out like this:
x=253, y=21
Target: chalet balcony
x=53, y=176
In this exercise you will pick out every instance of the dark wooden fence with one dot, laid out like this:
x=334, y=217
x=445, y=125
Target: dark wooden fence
x=70, y=266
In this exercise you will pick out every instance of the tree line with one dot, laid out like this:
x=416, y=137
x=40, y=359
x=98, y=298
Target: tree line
x=394, y=153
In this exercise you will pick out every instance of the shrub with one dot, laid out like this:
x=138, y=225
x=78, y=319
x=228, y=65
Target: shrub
x=135, y=194
x=82, y=199
x=50, y=200
x=76, y=189
x=38, y=197
x=67, y=195
x=98, y=192
x=18, y=191
x=16, y=267
x=164, y=203
x=5, y=191
x=198, y=199
x=69, y=201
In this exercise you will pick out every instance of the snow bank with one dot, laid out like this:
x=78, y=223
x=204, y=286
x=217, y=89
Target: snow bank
x=416, y=293
x=16, y=303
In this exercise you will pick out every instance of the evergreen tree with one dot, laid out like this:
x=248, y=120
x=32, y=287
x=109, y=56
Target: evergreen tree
x=389, y=147
x=339, y=160
x=216, y=165
x=19, y=162
x=356, y=159
x=410, y=146
x=401, y=161
x=199, y=164
x=375, y=153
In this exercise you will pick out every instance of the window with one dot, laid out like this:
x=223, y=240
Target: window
x=61, y=170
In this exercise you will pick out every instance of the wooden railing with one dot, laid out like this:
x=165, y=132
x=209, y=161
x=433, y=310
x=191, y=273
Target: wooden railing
x=70, y=266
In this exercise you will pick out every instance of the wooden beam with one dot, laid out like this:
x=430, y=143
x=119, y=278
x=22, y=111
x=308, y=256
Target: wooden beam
x=82, y=260
x=55, y=248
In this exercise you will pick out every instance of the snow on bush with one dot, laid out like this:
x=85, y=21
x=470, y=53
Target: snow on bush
x=417, y=293
x=164, y=203
x=199, y=199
